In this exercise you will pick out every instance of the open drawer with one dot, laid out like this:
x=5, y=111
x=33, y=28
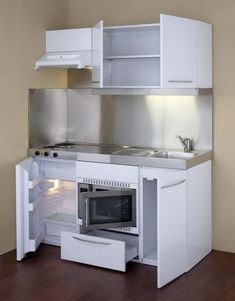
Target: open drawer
x=99, y=248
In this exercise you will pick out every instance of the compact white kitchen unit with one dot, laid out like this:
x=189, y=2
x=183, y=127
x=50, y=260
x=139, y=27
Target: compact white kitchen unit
x=173, y=230
x=172, y=207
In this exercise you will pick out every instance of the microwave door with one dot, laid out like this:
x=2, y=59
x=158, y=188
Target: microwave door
x=108, y=209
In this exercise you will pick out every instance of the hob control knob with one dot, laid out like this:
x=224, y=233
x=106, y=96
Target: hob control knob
x=37, y=153
x=46, y=154
x=55, y=155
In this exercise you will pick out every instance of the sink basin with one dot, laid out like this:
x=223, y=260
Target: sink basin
x=151, y=153
x=139, y=152
x=175, y=155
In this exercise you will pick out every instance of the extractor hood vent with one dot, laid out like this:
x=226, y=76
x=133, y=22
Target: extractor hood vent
x=77, y=60
x=69, y=48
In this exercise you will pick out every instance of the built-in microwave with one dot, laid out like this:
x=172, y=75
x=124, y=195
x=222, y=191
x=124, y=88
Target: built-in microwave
x=105, y=207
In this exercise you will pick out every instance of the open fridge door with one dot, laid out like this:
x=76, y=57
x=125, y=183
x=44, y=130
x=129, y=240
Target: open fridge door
x=29, y=230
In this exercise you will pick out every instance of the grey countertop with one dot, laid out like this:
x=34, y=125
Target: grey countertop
x=127, y=155
x=148, y=161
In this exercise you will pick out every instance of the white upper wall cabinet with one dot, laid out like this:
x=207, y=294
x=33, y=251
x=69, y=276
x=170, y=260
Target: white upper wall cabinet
x=178, y=52
x=173, y=54
x=68, y=40
x=68, y=48
x=204, y=55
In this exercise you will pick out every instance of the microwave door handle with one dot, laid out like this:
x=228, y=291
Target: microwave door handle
x=86, y=212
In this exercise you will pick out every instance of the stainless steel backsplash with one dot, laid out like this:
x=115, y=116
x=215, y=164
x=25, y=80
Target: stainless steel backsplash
x=56, y=115
x=47, y=116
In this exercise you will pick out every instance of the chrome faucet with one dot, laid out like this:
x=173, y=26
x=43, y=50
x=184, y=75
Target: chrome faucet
x=186, y=142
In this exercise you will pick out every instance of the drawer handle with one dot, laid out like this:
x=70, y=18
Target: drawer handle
x=180, y=81
x=174, y=184
x=93, y=242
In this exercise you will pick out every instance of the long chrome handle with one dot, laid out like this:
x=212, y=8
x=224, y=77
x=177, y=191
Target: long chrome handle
x=173, y=184
x=86, y=212
x=93, y=242
x=180, y=81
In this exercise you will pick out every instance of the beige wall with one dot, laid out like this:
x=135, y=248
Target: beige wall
x=221, y=14
x=22, y=29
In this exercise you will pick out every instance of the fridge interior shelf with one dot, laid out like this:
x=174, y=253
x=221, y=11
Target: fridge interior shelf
x=34, y=183
x=35, y=242
x=58, y=222
x=34, y=205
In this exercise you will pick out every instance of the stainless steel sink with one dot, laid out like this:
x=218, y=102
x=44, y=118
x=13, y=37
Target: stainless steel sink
x=132, y=151
x=151, y=153
x=175, y=155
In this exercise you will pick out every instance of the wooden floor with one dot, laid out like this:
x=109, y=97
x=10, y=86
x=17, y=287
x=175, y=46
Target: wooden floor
x=43, y=276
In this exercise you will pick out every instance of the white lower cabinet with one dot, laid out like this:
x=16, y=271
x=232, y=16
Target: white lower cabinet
x=173, y=215
x=164, y=211
x=171, y=227
x=175, y=219
x=99, y=248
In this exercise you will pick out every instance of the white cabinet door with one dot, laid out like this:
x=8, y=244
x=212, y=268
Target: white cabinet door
x=171, y=227
x=28, y=228
x=97, y=55
x=179, y=52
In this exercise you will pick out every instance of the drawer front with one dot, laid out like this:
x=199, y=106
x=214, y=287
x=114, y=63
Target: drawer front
x=112, y=172
x=102, y=252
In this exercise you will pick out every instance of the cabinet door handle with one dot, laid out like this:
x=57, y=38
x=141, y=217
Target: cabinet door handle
x=173, y=184
x=93, y=242
x=180, y=81
x=95, y=82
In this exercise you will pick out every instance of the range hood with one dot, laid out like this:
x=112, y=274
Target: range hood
x=77, y=60
x=69, y=48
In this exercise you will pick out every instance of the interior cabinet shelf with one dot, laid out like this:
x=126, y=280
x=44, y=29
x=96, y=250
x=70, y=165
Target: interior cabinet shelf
x=34, y=205
x=132, y=72
x=60, y=221
x=120, y=92
x=35, y=241
x=61, y=217
x=34, y=183
x=141, y=56
x=151, y=258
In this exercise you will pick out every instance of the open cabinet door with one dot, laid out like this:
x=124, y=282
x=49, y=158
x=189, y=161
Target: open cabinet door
x=179, y=52
x=97, y=55
x=29, y=230
x=171, y=227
